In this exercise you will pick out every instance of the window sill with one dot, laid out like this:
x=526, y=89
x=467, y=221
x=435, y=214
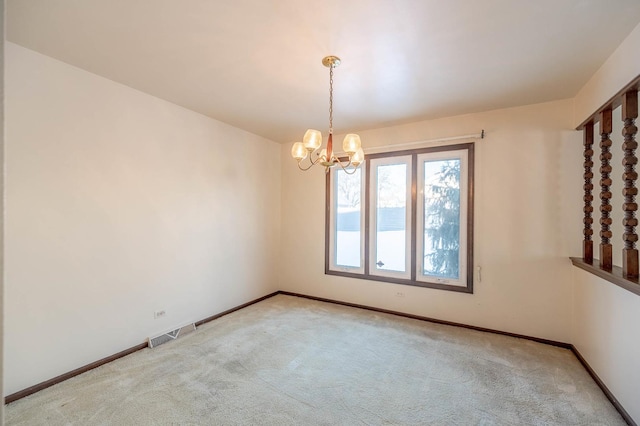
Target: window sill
x=467, y=289
x=614, y=276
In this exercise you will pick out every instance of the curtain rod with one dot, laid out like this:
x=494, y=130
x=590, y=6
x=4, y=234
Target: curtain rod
x=383, y=148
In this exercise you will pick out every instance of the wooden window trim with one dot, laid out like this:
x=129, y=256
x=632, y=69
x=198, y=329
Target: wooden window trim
x=470, y=147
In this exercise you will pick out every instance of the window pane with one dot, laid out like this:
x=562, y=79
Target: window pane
x=442, y=218
x=347, y=239
x=391, y=211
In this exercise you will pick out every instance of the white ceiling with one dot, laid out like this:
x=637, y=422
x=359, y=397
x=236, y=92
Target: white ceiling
x=256, y=64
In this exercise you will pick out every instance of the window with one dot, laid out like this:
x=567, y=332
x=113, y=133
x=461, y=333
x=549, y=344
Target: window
x=404, y=217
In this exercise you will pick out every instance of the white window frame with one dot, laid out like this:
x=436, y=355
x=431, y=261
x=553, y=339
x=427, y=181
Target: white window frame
x=463, y=156
x=373, y=216
x=332, y=261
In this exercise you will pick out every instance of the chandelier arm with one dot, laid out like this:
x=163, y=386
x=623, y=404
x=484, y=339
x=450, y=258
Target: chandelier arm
x=311, y=162
x=304, y=169
x=345, y=168
x=353, y=171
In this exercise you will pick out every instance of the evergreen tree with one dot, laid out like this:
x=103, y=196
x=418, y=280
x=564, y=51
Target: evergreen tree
x=442, y=221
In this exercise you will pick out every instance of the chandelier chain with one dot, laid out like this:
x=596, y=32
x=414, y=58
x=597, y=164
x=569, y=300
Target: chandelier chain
x=331, y=100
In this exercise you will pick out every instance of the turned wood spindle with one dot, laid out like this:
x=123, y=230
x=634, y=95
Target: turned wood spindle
x=587, y=243
x=629, y=115
x=606, y=251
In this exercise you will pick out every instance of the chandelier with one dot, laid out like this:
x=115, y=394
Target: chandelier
x=312, y=140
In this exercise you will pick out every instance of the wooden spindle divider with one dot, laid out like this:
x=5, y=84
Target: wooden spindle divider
x=629, y=115
x=606, y=249
x=587, y=243
x=626, y=276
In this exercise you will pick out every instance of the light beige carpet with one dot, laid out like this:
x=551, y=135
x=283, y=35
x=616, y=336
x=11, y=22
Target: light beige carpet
x=292, y=361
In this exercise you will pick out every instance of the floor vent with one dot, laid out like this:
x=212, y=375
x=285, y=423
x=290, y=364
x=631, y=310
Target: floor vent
x=171, y=335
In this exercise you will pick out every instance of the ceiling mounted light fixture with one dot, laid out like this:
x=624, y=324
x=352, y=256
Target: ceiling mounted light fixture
x=313, y=139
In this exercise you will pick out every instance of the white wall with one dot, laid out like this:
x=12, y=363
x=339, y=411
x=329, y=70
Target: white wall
x=2, y=38
x=119, y=204
x=520, y=225
x=605, y=332
x=605, y=317
x=618, y=70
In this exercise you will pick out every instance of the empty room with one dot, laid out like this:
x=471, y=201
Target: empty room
x=287, y=212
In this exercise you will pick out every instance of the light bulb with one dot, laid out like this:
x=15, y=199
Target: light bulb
x=351, y=143
x=312, y=139
x=298, y=151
